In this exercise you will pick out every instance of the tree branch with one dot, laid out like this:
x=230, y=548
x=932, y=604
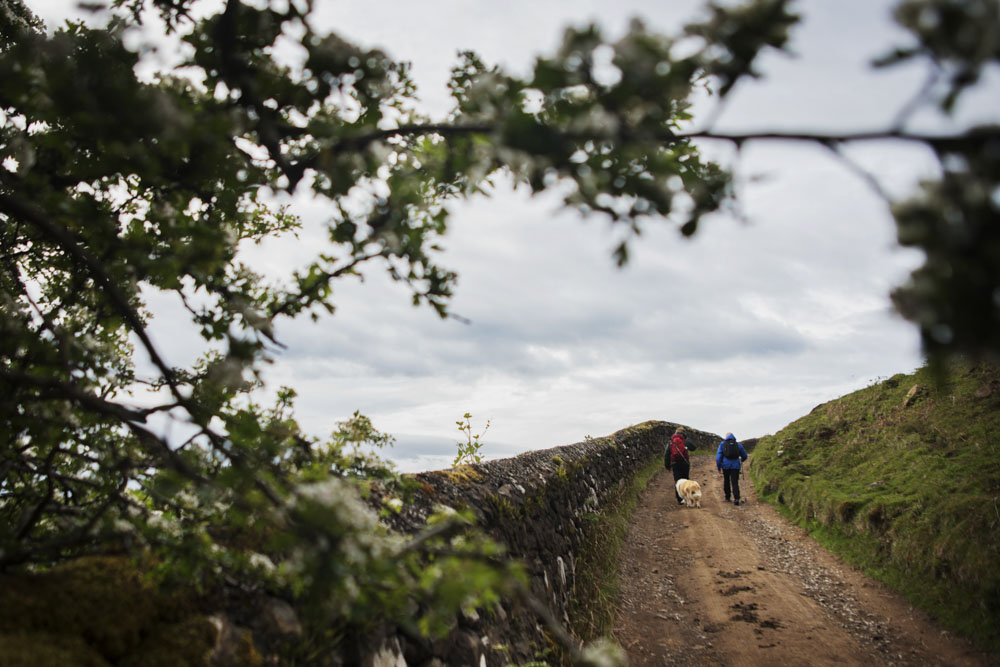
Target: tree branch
x=62, y=238
x=72, y=392
x=28, y=522
x=325, y=277
x=976, y=135
x=443, y=129
x=65, y=240
x=862, y=173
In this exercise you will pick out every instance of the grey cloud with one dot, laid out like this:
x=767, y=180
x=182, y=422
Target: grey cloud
x=743, y=328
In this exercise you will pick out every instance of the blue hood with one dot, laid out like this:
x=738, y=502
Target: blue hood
x=722, y=463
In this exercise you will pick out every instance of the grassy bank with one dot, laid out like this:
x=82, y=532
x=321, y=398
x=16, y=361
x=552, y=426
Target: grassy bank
x=902, y=479
x=593, y=610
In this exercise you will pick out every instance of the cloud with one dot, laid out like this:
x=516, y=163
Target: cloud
x=745, y=327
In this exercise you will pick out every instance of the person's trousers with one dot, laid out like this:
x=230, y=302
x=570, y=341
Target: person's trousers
x=681, y=470
x=731, y=484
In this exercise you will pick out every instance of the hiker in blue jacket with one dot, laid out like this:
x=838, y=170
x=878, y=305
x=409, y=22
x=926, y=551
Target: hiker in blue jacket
x=729, y=459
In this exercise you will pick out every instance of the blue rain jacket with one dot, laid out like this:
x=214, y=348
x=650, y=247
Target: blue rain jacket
x=722, y=463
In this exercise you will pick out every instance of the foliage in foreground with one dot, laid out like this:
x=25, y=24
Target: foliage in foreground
x=100, y=611
x=906, y=488
x=116, y=189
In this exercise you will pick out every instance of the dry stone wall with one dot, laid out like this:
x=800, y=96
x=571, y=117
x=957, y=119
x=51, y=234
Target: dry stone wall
x=538, y=504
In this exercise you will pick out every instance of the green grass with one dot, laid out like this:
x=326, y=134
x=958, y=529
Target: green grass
x=908, y=493
x=592, y=611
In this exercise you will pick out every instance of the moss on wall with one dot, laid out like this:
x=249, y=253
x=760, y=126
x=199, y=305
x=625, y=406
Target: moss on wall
x=551, y=509
x=103, y=611
x=555, y=511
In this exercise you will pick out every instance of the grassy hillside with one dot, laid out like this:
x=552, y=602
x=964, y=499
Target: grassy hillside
x=902, y=479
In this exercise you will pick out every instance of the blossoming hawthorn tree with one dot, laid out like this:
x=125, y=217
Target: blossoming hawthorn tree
x=114, y=187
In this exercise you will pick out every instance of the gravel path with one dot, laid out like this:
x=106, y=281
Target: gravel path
x=726, y=585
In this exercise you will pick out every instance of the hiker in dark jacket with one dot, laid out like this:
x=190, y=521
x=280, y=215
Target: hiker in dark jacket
x=730, y=467
x=677, y=459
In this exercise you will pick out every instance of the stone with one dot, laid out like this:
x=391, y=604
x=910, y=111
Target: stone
x=280, y=618
x=543, y=529
x=912, y=395
x=233, y=644
x=389, y=654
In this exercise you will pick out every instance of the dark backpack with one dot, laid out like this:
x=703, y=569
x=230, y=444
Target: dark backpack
x=731, y=449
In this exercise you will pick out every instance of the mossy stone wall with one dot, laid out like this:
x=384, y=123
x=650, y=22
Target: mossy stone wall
x=101, y=611
x=538, y=505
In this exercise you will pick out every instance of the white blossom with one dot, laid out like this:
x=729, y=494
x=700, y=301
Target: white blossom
x=261, y=562
x=604, y=653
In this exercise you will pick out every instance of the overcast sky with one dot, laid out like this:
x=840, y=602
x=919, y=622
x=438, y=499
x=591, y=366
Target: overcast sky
x=743, y=328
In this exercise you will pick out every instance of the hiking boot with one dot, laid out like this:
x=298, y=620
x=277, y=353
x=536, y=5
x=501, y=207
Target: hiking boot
x=737, y=502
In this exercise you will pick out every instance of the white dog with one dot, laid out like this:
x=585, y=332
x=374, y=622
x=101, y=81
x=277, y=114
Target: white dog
x=690, y=492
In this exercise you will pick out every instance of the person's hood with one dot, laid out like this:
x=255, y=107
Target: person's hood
x=730, y=436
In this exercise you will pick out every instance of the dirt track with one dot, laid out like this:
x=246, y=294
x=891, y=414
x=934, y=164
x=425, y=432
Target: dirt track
x=725, y=585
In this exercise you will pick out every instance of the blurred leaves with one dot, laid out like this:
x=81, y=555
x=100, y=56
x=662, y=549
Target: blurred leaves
x=735, y=35
x=955, y=296
x=114, y=188
x=959, y=37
